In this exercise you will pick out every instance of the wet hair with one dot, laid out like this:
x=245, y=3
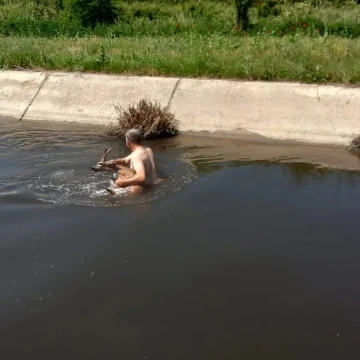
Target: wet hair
x=134, y=136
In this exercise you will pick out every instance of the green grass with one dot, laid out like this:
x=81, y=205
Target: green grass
x=167, y=18
x=294, y=58
x=308, y=41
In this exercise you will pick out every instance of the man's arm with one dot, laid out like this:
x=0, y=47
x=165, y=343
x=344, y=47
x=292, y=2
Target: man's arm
x=120, y=161
x=138, y=178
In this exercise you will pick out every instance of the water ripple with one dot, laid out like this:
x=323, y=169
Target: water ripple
x=52, y=167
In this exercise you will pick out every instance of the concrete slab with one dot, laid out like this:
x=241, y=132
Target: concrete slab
x=287, y=111
x=284, y=111
x=17, y=89
x=90, y=99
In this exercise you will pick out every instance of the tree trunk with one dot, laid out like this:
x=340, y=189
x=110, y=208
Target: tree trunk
x=242, y=8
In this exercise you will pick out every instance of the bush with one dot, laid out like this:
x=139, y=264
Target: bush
x=355, y=144
x=149, y=13
x=47, y=9
x=152, y=120
x=92, y=12
x=268, y=8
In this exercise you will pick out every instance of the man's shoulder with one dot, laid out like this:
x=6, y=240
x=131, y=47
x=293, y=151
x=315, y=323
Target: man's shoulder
x=144, y=150
x=141, y=152
x=138, y=153
x=148, y=150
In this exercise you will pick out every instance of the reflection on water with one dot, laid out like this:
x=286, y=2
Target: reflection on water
x=299, y=173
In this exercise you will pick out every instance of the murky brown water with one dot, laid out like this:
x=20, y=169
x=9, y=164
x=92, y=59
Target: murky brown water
x=233, y=257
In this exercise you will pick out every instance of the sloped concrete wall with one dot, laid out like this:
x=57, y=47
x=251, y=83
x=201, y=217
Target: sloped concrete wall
x=288, y=111
x=17, y=90
x=90, y=99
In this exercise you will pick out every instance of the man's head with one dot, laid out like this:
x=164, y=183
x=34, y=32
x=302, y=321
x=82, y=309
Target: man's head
x=133, y=136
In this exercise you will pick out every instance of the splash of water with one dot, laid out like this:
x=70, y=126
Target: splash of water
x=52, y=168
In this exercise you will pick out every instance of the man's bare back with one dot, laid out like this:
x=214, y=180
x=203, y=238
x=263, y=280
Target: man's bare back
x=141, y=161
x=145, y=156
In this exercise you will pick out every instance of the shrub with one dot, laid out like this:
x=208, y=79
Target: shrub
x=268, y=8
x=149, y=13
x=92, y=12
x=152, y=119
x=355, y=144
x=47, y=9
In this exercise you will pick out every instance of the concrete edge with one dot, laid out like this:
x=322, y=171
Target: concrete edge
x=306, y=113
x=35, y=95
x=18, y=89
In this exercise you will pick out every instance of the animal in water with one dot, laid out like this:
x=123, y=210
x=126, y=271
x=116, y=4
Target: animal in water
x=137, y=170
x=121, y=171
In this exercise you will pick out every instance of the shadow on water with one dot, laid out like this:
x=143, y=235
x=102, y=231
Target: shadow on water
x=248, y=251
x=300, y=173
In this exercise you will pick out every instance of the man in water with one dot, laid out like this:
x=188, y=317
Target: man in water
x=141, y=160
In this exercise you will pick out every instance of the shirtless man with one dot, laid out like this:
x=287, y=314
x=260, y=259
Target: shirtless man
x=141, y=160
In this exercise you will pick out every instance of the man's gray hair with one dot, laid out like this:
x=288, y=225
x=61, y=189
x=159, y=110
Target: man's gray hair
x=134, y=136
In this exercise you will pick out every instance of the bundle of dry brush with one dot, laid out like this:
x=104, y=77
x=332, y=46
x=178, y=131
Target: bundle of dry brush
x=355, y=144
x=152, y=119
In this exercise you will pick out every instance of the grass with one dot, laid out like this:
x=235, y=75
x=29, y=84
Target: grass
x=309, y=41
x=294, y=58
x=137, y=18
x=168, y=18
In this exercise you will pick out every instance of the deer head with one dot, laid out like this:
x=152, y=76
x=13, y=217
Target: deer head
x=101, y=166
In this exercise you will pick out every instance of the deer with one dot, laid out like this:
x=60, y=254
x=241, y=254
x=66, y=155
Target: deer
x=121, y=171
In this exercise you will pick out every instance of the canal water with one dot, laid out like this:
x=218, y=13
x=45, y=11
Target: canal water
x=246, y=250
